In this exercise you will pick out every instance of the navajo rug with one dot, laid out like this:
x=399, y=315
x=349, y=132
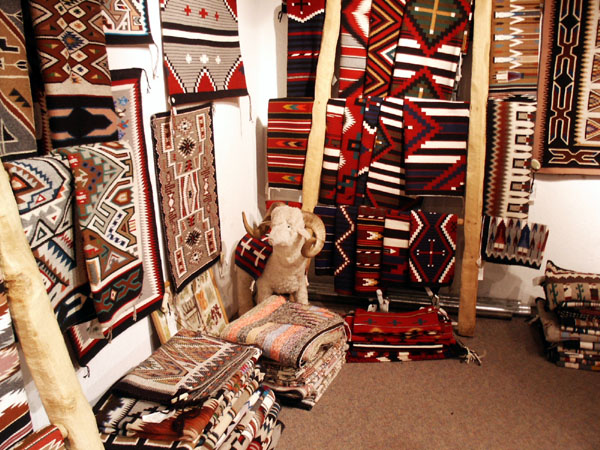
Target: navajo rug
x=514, y=61
x=369, y=242
x=508, y=177
x=344, y=255
x=428, y=53
x=48, y=438
x=185, y=161
x=289, y=121
x=435, y=151
x=188, y=368
x=126, y=23
x=305, y=30
x=384, y=32
x=513, y=241
x=350, y=150
x=354, y=34
x=571, y=289
x=42, y=187
x=331, y=153
x=201, y=46
x=367, y=140
x=71, y=47
x=432, y=248
x=324, y=260
x=394, y=259
x=17, y=127
x=251, y=254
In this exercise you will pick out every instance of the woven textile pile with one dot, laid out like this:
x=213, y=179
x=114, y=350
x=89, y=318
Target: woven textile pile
x=426, y=333
x=570, y=316
x=195, y=391
x=302, y=346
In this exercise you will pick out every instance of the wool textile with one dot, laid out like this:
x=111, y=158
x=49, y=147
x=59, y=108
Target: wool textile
x=42, y=187
x=251, y=254
x=367, y=141
x=185, y=161
x=126, y=23
x=435, y=146
x=567, y=131
x=17, y=126
x=369, y=246
x=324, y=260
x=47, y=438
x=394, y=258
x=428, y=53
x=286, y=332
x=334, y=122
x=508, y=178
x=354, y=34
x=350, y=150
x=344, y=255
x=569, y=288
x=305, y=31
x=432, y=248
x=201, y=49
x=71, y=46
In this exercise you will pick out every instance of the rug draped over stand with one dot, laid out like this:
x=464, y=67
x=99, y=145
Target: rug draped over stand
x=369, y=243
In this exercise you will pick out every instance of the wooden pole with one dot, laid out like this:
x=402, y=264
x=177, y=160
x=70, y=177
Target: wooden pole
x=475, y=167
x=42, y=342
x=316, y=138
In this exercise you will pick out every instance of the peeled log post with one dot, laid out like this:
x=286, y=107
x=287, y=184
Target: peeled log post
x=42, y=342
x=316, y=138
x=475, y=167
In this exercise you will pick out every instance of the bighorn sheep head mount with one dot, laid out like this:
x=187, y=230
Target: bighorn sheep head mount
x=295, y=236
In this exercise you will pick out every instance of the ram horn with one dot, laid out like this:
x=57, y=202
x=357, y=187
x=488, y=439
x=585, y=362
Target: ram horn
x=316, y=227
x=259, y=231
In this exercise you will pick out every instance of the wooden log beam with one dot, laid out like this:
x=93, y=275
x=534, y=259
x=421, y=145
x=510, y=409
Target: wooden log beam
x=40, y=337
x=316, y=138
x=475, y=167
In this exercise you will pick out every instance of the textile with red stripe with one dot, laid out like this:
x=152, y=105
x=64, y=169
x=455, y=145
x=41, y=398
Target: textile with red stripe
x=289, y=123
x=432, y=248
x=251, y=255
x=394, y=260
x=344, y=253
x=350, y=151
x=384, y=30
x=324, y=260
x=428, y=52
x=435, y=151
x=367, y=141
x=305, y=30
x=385, y=179
x=334, y=122
x=369, y=245
x=354, y=34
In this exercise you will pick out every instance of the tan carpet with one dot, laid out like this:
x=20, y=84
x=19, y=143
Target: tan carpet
x=515, y=399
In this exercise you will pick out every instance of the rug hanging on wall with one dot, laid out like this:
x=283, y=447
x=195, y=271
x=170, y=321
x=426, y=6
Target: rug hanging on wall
x=428, y=54
x=435, y=146
x=42, y=187
x=126, y=23
x=305, y=31
x=324, y=260
x=508, y=178
x=185, y=161
x=17, y=126
x=369, y=246
x=432, y=248
x=394, y=259
x=334, y=122
x=354, y=35
x=367, y=141
x=71, y=46
x=567, y=132
x=201, y=47
x=350, y=150
x=344, y=254
x=126, y=92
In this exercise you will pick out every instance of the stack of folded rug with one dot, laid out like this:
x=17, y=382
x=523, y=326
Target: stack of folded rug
x=194, y=392
x=570, y=317
x=303, y=347
x=404, y=336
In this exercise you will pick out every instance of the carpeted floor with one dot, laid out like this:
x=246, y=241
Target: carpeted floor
x=515, y=399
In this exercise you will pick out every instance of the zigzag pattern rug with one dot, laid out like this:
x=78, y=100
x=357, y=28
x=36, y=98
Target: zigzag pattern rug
x=201, y=47
x=508, y=177
x=344, y=255
x=435, y=146
x=384, y=31
x=394, y=259
x=567, y=131
x=126, y=23
x=428, y=54
x=432, y=248
x=305, y=30
x=334, y=122
x=71, y=47
x=354, y=33
x=184, y=151
x=17, y=127
x=369, y=242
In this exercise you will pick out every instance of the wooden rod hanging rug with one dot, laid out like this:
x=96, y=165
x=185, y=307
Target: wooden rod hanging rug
x=40, y=337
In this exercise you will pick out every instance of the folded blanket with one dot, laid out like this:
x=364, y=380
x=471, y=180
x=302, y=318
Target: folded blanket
x=288, y=333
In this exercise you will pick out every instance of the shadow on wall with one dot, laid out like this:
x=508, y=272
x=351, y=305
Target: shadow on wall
x=500, y=282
